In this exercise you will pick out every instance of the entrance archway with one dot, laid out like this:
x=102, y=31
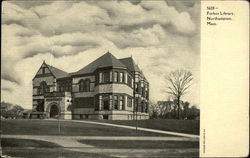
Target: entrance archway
x=54, y=111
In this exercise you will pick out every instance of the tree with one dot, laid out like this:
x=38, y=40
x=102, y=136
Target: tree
x=178, y=83
x=186, y=109
x=9, y=110
x=153, y=110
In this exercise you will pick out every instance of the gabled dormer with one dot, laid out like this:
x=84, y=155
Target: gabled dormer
x=46, y=79
x=48, y=70
x=43, y=71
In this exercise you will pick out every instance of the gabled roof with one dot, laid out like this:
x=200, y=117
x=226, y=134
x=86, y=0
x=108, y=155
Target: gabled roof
x=57, y=72
x=106, y=60
x=129, y=62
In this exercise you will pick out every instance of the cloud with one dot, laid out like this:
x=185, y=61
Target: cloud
x=137, y=38
x=6, y=89
x=160, y=36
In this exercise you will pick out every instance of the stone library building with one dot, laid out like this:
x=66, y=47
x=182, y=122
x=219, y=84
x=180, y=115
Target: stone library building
x=107, y=88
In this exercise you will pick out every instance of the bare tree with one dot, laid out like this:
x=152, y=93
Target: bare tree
x=178, y=83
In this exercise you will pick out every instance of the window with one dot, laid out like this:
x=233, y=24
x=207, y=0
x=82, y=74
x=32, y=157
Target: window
x=84, y=85
x=142, y=106
x=116, y=102
x=81, y=86
x=110, y=102
x=136, y=87
x=106, y=77
x=115, y=76
x=129, y=81
x=129, y=102
x=142, y=89
x=100, y=77
x=121, y=100
x=110, y=76
x=87, y=85
x=121, y=77
x=43, y=88
x=146, y=108
x=105, y=102
x=40, y=106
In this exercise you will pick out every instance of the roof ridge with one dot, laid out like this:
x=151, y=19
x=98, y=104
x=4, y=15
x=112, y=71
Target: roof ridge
x=106, y=60
x=58, y=73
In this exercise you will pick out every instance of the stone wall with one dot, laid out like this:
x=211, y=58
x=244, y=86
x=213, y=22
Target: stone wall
x=114, y=88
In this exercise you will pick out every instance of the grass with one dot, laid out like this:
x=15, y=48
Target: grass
x=11, y=142
x=38, y=149
x=48, y=127
x=182, y=126
x=141, y=144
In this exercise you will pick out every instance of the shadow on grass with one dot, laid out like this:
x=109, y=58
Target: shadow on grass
x=141, y=144
x=39, y=149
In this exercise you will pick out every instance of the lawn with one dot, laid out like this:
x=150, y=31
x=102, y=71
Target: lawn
x=49, y=127
x=141, y=144
x=182, y=126
x=38, y=149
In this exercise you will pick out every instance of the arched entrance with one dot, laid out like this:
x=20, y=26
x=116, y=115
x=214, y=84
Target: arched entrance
x=54, y=111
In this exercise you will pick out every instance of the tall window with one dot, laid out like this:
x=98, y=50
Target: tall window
x=129, y=102
x=84, y=85
x=106, y=102
x=121, y=99
x=142, y=106
x=87, y=84
x=110, y=102
x=116, y=102
x=136, y=87
x=115, y=76
x=110, y=76
x=100, y=78
x=106, y=77
x=129, y=81
x=81, y=86
x=43, y=88
x=121, y=77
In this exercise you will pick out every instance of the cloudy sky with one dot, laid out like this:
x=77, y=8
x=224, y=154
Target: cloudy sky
x=161, y=36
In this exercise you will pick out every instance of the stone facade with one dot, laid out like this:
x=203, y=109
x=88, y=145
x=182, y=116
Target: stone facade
x=107, y=88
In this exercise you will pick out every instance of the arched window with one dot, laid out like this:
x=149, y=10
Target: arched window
x=43, y=87
x=81, y=85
